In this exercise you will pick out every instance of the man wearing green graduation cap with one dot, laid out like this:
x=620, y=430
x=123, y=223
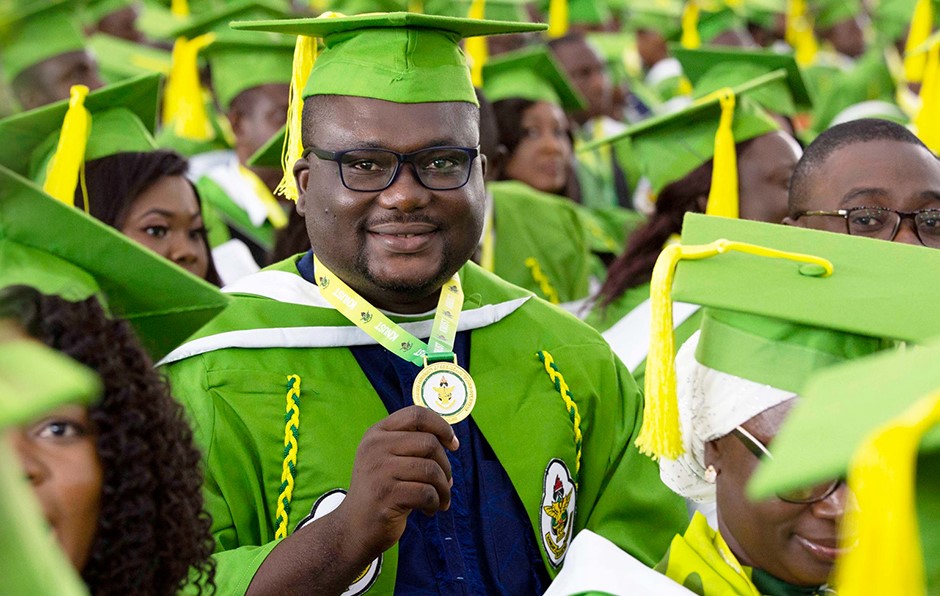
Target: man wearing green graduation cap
x=318, y=472
x=44, y=52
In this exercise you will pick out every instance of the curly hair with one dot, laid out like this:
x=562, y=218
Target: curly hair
x=152, y=528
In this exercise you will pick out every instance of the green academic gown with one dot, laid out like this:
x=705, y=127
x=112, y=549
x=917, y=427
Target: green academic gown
x=233, y=379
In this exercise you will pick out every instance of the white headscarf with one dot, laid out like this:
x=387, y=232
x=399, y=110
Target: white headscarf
x=711, y=405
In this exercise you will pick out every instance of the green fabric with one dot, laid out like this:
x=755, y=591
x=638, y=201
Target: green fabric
x=702, y=562
x=256, y=58
x=832, y=12
x=269, y=155
x=532, y=74
x=855, y=395
x=221, y=140
x=399, y=57
x=661, y=16
x=869, y=79
x=608, y=228
x=36, y=31
x=59, y=250
x=866, y=279
x=235, y=398
x=672, y=145
x=711, y=24
x=217, y=18
x=216, y=200
x=123, y=116
x=543, y=231
x=119, y=59
x=95, y=10
x=710, y=69
x=772, y=351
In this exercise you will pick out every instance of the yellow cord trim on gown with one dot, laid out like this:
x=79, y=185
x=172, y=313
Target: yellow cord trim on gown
x=289, y=469
x=562, y=387
x=546, y=287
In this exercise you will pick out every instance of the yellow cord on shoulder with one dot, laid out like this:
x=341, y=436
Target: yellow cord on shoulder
x=660, y=435
x=562, y=387
x=883, y=545
x=551, y=294
x=289, y=469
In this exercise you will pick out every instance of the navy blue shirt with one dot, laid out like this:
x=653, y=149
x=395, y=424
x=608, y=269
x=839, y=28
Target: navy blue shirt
x=484, y=543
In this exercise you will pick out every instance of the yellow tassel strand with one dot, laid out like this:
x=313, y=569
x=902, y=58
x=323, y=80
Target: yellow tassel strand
x=557, y=19
x=807, y=48
x=179, y=8
x=573, y=414
x=796, y=10
x=289, y=469
x=723, y=196
x=921, y=26
x=476, y=46
x=545, y=285
x=927, y=121
x=184, y=104
x=660, y=435
x=276, y=214
x=69, y=157
x=690, y=40
x=305, y=54
x=885, y=555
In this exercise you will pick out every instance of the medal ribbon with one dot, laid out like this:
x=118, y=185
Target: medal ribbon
x=387, y=332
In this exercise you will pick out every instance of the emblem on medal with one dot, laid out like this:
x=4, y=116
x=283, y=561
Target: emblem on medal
x=445, y=388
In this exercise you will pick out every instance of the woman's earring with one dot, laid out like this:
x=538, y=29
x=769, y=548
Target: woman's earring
x=711, y=474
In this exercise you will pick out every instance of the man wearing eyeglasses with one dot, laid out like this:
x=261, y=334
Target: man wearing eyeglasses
x=378, y=413
x=868, y=178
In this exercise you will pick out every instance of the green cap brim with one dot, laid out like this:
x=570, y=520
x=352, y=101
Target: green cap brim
x=32, y=135
x=58, y=250
x=866, y=279
x=699, y=66
x=532, y=74
x=35, y=379
x=672, y=145
x=217, y=19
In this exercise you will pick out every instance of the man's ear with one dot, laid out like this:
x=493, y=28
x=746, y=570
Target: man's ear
x=235, y=119
x=301, y=178
x=713, y=454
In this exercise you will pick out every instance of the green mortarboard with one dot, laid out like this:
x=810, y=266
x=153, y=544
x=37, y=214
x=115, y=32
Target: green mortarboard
x=217, y=19
x=832, y=12
x=119, y=59
x=530, y=73
x=777, y=318
x=59, y=250
x=495, y=10
x=583, y=12
x=711, y=24
x=399, y=57
x=35, y=379
x=36, y=31
x=712, y=68
x=269, y=155
x=764, y=12
x=95, y=10
x=255, y=58
x=672, y=145
x=662, y=16
x=123, y=117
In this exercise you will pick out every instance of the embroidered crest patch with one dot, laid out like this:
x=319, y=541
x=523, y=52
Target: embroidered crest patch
x=556, y=517
x=326, y=504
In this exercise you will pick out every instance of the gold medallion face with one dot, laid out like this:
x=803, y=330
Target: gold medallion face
x=447, y=389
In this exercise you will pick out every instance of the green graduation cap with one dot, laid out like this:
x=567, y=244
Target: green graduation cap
x=713, y=23
x=269, y=155
x=121, y=118
x=807, y=305
x=532, y=74
x=670, y=146
x=36, y=31
x=496, y=10
x=61, y=251
x=119, y=59
x=711, y=68
x=95, y=10
x=661, y=16
x=399, y=57
x=217, y=19
x=832, y=12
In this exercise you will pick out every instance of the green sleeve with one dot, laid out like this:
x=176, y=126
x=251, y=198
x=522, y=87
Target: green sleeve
x=235, y=565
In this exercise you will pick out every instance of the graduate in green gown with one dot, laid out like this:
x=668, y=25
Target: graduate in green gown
x=118, y=481
x=712, y=417
x=322, y=496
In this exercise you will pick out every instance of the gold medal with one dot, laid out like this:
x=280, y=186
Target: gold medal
x=445, y=388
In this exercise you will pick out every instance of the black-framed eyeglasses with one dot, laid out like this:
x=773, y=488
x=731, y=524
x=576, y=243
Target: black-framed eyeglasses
x=373, y=170
x=802, y=496
x=884, y=223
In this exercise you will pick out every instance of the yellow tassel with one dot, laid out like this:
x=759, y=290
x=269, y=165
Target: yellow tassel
x=476, y=46
x=796, y=10
x=557, y=18
x=690, y=38
x=276, y=214
x=927, y=121
x=660, y=435
x=884, y=549
x=184, y=104
x=416, y=6
x=69, y=157
x=179, y=8
x=806, y=48
x=921, y=26
x=723, y=196
x=305, y=54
